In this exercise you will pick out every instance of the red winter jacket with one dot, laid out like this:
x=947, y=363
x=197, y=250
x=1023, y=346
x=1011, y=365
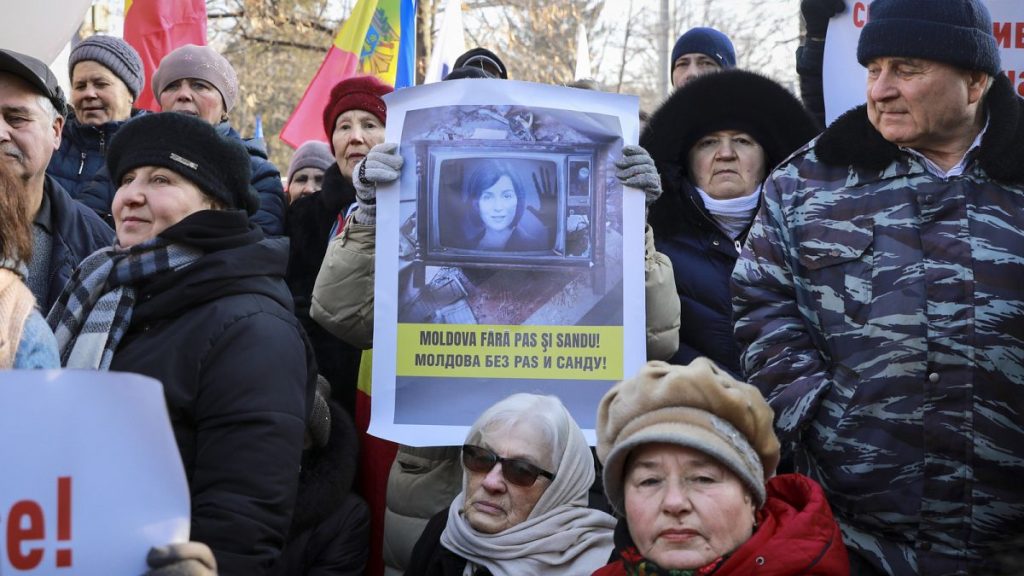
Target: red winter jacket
x=796, y=534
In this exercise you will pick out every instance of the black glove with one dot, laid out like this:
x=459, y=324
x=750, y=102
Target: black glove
x=817, y=13
x=185, y=559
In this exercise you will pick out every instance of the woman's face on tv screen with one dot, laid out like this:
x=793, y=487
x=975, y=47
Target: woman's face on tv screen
x=498, y=204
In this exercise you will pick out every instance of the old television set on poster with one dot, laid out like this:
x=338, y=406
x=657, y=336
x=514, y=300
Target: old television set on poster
x=518, y=205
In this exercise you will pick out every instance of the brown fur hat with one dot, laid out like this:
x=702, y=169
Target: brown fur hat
x=698, y=406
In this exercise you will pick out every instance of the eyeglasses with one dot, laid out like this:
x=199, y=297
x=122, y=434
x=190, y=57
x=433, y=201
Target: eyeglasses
x=516, y=471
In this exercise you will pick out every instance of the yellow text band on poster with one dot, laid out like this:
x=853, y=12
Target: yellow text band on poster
x=492, y=351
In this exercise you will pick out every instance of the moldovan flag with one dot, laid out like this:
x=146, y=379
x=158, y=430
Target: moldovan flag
x=155, y=28
x=377, y=39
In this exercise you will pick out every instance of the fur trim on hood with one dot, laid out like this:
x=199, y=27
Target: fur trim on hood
x=853, y=141
x=729, y=100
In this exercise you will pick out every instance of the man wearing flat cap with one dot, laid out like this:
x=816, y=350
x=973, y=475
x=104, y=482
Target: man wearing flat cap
x=64, y=232
x=879, y=300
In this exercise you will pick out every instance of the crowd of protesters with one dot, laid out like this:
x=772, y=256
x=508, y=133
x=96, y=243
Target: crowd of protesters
x=840, y=309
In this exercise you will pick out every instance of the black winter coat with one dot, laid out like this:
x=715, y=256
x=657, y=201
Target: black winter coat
x=77, y=232
x=238, y=378
x=79, y=164
x=266, y=179
x=330, y=532
x=310, y=220
x=702, y=260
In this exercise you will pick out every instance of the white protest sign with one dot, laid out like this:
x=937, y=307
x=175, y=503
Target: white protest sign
x=92, y=477
x=845, y=80
x=509, y=258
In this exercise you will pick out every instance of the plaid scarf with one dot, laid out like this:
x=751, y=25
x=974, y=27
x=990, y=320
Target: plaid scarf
x=636, y=565
x=95, y=309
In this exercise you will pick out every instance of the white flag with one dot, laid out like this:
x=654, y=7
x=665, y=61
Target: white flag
x=449, y=43
x=582, y=54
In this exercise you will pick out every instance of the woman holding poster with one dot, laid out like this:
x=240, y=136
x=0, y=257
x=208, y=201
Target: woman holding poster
x=193, y=295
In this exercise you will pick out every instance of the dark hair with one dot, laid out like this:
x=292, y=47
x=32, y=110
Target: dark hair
x=15, y=224
x=484, y=174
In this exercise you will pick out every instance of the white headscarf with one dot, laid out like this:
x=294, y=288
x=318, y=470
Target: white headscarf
x=561, y=535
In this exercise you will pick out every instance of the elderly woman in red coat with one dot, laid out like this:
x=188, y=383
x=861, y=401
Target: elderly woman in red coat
x=690, y=456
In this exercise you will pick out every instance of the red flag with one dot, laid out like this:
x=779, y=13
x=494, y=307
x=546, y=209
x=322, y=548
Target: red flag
x=155, y=28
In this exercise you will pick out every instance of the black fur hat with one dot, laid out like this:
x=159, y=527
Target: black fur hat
x=219, y=166
x=728, y=100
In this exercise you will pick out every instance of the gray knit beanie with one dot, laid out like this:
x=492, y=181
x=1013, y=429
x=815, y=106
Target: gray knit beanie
x=113, y=53
x=202, y=62
x=312, y=154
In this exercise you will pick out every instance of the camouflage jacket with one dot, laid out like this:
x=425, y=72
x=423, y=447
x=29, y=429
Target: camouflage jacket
x=880, y=309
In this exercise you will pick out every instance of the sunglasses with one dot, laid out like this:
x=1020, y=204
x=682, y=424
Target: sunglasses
x=516, y=471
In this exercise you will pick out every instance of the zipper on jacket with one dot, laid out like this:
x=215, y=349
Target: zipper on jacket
x=103, y=143
x=82, y=165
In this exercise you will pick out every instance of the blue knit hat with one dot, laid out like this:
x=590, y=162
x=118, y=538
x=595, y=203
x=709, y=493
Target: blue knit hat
x=957, y=32
x=707, y=41
x=113, y=53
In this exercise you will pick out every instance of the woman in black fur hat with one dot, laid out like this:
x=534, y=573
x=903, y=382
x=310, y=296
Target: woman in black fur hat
x=714, y=142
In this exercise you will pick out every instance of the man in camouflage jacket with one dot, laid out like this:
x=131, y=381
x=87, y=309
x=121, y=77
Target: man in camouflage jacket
x=879, y=301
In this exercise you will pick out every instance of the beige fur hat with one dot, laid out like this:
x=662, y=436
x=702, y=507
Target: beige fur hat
x=698, y=406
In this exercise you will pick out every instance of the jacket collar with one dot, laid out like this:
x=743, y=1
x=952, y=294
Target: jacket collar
x=852, y=141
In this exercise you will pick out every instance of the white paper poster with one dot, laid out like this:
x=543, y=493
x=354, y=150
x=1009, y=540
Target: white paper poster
x=509, y=258
x=91, y=475
x=845, y=80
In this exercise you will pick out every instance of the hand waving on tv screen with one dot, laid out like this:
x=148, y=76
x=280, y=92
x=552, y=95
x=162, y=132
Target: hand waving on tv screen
x=547, y=193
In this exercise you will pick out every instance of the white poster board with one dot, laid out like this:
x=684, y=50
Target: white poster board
x=845, y=80
x=487, y=286
x=40, y=28
x=92, y=477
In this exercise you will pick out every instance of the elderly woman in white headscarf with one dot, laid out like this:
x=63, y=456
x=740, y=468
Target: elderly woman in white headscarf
x=523, y=506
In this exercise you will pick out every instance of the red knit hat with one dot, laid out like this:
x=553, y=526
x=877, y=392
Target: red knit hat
x=358, y=93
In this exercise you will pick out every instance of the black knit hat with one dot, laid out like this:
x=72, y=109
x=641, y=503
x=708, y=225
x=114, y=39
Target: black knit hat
x=706, y=41
x=483, y=59
x=191, y=147
x=728, y=100
x=957, y=32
